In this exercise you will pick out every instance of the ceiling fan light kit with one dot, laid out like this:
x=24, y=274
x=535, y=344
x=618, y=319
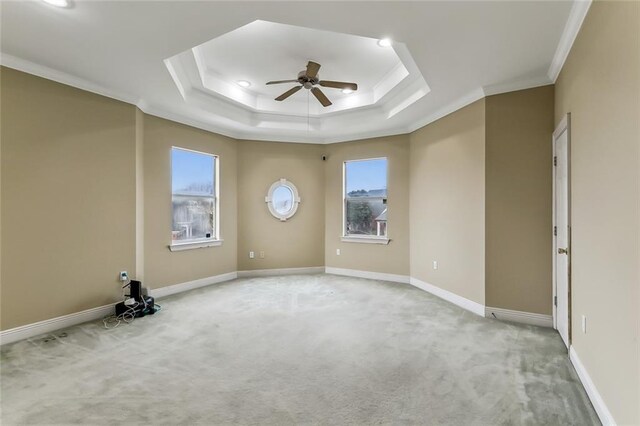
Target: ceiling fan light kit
x=58, y=3
x=310, y=79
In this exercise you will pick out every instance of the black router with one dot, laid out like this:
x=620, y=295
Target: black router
x=144, y=305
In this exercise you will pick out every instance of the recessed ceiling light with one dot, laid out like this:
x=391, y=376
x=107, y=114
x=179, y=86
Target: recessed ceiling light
x=243, y=83
x=57, y=3
x=384, y=42
x=347, y=91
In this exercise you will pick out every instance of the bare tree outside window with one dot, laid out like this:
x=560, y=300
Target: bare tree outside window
x=365, y=202
x=193, y=195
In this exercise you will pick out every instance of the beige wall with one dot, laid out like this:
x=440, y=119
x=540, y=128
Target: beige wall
x=163, y=267
x=447, y=191
x=600, y=86
x=518, y=244
x=298, y=242
x=394, y=257
x=68, y=198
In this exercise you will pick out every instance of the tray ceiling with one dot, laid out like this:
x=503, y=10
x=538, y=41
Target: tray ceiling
x=182, y=60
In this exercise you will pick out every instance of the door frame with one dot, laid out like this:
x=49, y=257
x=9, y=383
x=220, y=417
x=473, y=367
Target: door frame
x=564, y=125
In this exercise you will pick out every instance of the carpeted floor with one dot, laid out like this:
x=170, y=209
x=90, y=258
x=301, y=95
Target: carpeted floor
x=317, y=349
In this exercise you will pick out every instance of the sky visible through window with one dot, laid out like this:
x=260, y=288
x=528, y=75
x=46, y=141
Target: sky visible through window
x=366, y=174
x=191, y=171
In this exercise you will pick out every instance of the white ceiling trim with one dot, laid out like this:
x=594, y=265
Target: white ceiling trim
x=216, y=86
x=28, y=67
x=462, y=58
x=199, y=68
x=454, y=106
x=64, y=78
x=578, y=12
x=497, y=89
x=477, y=94
x=213, y=98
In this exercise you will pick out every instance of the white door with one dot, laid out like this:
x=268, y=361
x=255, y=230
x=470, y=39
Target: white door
x=562, y=229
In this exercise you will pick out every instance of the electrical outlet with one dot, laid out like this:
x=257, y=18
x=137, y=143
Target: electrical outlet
x=261, y=254
x=435, y=264
x=584, y=324
x=252, y=255
x=337, y=252
x=124, y=276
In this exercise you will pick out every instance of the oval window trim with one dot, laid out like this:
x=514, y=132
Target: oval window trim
x=283, y=183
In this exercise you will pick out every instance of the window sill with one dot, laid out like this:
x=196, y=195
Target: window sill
x=365, y=240
x=190, y=245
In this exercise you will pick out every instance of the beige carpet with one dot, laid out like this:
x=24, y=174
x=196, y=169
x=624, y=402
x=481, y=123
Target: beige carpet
x=316, y=349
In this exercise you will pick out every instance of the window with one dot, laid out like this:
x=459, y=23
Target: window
x=194, y=199
x=282, y=199
x=365, y=201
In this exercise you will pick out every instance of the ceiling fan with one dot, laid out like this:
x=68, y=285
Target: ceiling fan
x=308, y=79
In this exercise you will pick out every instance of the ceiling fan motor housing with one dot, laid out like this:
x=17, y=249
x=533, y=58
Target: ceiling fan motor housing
x=307, y=82
x=308, y=79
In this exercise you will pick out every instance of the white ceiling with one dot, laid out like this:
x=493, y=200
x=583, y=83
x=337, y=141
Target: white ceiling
x=206, y=77
x=263, y=51
x=463, y=50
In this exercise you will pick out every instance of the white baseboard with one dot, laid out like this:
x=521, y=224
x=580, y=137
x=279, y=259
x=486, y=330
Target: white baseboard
x=464, y=303
x=598, y=403
x=366, y=274
x=47, y=326
x=284, y=271
x=161, y=292
x=30, y=330
x=519, y=316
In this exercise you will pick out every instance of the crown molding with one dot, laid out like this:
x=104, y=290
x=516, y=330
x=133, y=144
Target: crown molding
x=28, y=67
x=454, y=106
x=38, y=70
x=571, y=28
x=531, y=83
x=187, y=121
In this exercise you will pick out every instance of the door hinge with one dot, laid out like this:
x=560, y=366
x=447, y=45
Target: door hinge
x=555, y=231
x=555, y=161
x=555, y=300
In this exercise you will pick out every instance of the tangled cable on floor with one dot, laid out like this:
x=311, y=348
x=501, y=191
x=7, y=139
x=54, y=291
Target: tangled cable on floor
x=112, y=321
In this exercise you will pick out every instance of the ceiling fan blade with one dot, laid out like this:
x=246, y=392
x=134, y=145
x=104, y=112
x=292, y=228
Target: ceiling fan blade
x=312, y=69
x=282, y=81
x=288, y=93
x=338, y=84
x=321, y=97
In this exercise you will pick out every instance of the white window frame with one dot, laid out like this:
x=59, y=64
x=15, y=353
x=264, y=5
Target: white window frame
x=215, y=239
x=365, y=239
x=283, y=217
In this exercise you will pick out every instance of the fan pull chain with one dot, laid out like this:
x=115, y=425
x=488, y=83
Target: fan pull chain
x=308, y=125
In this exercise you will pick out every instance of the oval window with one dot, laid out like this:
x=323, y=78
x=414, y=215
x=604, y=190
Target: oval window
x=282, y=199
